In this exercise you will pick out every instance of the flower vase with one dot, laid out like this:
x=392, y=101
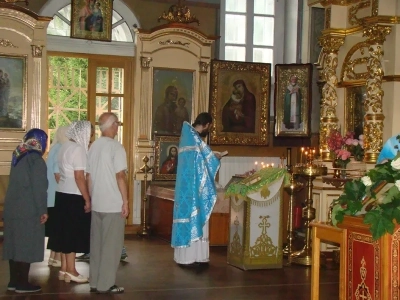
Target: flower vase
x=343, y=171
x=336, y=168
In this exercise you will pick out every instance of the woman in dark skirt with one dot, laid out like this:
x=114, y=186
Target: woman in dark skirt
x=25, y=210
x=72, y=204
x=53, y=176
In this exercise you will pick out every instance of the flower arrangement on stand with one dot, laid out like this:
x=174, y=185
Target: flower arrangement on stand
x=339, y=153
x=377, y=195
x=342, y=148
x=355, y=146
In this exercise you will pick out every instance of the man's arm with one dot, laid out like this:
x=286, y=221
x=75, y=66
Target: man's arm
x=122, y=186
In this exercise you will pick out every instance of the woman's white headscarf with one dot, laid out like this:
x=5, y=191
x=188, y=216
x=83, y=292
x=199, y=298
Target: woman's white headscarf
x=60, y=136
x=79, y=131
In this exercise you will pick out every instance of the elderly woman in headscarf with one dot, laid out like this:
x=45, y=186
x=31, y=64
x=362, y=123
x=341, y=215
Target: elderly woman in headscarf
x=53, y=176
x=72, y=204
x=25, y=210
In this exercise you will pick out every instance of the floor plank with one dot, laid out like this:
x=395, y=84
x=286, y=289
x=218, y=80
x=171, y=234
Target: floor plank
x=151, y=273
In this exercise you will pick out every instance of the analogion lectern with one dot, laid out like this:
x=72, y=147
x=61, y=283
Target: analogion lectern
x=255, y=228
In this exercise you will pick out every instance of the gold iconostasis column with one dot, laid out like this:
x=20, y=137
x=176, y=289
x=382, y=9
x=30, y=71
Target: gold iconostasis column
x=373, y=118
x=330, y=47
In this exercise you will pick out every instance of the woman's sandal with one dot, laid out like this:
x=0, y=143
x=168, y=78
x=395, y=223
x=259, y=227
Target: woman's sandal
x=61, y=275
x=78, y=279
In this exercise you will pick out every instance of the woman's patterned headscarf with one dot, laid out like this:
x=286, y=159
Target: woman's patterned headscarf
x=79, y=131
x=35, y=140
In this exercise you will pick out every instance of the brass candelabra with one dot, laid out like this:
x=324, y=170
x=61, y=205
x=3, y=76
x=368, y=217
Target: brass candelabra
x=309, y=170
x=292, y=188
x=144, y=230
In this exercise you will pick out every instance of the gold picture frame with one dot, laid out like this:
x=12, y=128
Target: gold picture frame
x=166, y=159
x=239, y=103
x=293, y=100
x=13, y=98
x=91, y=19
x=354, y=109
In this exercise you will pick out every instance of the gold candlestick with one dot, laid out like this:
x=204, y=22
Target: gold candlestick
x=144, y=230
x=308, y=171
x=292, y=188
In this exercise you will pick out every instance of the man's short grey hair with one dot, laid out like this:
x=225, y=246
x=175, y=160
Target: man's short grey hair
x=108, y=123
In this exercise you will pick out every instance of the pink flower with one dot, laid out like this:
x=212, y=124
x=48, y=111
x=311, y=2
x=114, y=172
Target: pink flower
x=343, y=154
x=361, y=137
x=349, y=142
x=355, y=142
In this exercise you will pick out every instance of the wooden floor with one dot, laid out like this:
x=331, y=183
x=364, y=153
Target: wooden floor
x=150, y=273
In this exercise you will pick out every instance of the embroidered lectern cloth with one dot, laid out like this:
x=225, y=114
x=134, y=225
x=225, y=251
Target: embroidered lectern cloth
x=255, y=237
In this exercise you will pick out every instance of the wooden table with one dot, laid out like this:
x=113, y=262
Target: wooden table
x=329, y=233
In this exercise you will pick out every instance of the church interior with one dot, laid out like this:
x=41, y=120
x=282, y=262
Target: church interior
x=283, y=80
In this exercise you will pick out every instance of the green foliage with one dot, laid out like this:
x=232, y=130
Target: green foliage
x=380, y=223
x=68, y=81
x=359, y=192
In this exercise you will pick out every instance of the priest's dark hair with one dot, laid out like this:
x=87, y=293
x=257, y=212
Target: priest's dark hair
x=203, y=119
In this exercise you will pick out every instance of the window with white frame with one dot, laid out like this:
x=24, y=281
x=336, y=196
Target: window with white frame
x=248, y=30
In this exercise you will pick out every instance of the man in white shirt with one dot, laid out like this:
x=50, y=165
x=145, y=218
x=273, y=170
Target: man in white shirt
x=108, y=189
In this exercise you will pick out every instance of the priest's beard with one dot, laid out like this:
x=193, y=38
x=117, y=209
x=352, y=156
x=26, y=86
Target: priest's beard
x=204, y=133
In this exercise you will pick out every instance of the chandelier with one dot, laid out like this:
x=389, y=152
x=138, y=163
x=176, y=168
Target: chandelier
x=15, y=1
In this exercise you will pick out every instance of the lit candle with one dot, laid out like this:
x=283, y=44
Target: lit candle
x=256, y=166
x=267, y=165
x=289, y=156
x=272, y=165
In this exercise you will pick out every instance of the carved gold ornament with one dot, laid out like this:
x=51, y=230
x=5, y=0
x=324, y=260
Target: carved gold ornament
x=362, y=291
x=353, y=20
x=330, y=46
x=203, y=66
x=7, y=43
x=350, y=63
x=145, y=61
x=179, y=13
x=331, y=43
x=37, y=50
x=171, y=42
x=373, y=126
x=376, y=34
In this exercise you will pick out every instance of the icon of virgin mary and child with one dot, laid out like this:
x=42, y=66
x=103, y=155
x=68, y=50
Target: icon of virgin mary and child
x=91, y=16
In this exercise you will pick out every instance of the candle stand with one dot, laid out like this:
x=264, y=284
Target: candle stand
x=144, y=229
x=309, y=171
x=292, y=188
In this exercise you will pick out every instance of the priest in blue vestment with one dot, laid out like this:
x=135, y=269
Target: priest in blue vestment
x=195, y=193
